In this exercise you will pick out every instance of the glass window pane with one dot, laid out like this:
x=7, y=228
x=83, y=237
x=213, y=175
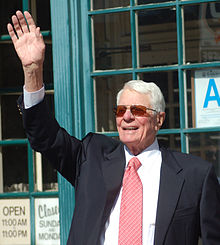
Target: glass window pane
x=49, y=176
x=207, y=146
x=45, y=174
x=157, y=37
x=15, y=168
x=112, y=41
x=11, y=73
x=190, y=99
x=171, y=141
x=12, y=126
x=202, y=36
x=43, y=14
x=106, y=91
x=7, y=9
x=101, y=4
x=168, y=83
x=48, y=62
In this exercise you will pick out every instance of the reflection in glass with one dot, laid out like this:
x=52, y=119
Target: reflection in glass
x=157, y=37
x=171, y=141
x=15, y=168
x=112, y=41
x=100, y=4
x=168, y=83
x=202, y=32
x=207, y=146
x=12, y=126
x=106, y=91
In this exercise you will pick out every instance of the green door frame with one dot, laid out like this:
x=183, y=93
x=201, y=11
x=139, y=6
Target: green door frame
x=72, y=86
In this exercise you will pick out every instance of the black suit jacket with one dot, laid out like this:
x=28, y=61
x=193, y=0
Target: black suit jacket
x=189, y=195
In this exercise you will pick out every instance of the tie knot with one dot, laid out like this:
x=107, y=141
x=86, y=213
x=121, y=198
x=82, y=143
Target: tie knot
x=135, y=163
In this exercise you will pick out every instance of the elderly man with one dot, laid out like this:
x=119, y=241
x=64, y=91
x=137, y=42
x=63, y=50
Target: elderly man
x=128, y=192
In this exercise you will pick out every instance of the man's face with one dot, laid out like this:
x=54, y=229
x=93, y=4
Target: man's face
x=138, y=132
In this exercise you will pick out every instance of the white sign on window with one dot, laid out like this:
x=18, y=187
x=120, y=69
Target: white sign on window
x=15, y=222
x=47, y=225
x=207, y=98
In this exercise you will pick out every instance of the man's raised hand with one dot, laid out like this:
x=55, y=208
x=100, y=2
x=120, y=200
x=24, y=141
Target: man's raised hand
x=30, y=47
x=27, y=39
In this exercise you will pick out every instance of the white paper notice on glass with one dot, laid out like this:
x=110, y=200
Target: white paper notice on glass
x=15, y=222
x=47, y=225
x=207, y=98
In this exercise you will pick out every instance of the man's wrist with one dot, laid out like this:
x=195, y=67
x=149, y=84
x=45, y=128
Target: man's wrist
x=33, y=75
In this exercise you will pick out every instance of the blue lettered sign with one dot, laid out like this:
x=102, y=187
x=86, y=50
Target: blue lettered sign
x=207, y=98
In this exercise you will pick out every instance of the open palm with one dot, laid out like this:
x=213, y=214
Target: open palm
x=27, y=39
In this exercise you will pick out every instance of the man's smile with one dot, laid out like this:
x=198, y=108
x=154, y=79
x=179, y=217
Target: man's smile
x=130, y=128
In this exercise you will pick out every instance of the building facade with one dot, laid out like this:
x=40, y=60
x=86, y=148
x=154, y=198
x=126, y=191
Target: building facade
x=92, y=48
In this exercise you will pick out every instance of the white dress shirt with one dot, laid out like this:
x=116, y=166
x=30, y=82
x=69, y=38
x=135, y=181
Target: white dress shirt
x=149, y=173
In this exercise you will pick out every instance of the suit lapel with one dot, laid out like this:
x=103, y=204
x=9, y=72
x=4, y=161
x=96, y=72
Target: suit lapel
x=171, y=183
x=113, y=171
x=113, y=168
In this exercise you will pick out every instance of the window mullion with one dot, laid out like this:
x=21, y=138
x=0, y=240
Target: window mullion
x=25, y=5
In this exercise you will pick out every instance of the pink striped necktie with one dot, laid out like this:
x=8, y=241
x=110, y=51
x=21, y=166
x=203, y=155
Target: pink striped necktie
x=131, y=211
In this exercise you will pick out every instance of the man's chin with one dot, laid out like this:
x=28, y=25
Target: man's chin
x=130, y=143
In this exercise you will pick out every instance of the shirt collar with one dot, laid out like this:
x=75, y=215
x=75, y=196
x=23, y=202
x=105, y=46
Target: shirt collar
x=145, y=153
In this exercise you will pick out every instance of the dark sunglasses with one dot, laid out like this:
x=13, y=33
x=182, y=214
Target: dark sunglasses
x=136, y=110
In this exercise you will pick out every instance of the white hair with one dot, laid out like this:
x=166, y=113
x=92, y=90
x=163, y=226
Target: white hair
x=149, y=88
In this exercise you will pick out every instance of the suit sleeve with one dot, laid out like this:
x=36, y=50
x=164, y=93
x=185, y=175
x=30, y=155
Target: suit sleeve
x=210, y=209
x=47, y=137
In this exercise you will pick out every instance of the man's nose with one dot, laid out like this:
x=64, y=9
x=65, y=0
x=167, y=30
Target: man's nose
x=128, y=115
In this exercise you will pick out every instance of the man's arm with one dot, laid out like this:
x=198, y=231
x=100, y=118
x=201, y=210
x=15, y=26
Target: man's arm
x=30, y=47
x=43, y=131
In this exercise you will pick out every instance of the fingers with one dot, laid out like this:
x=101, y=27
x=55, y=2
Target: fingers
x=39, y=36
x=11, y=33
x=17, y=26
x=38, y=33
x=22, y=22
x=21, y=25
x=30, y=21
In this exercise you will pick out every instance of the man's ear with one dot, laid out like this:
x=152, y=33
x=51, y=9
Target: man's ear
x=160, y=119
